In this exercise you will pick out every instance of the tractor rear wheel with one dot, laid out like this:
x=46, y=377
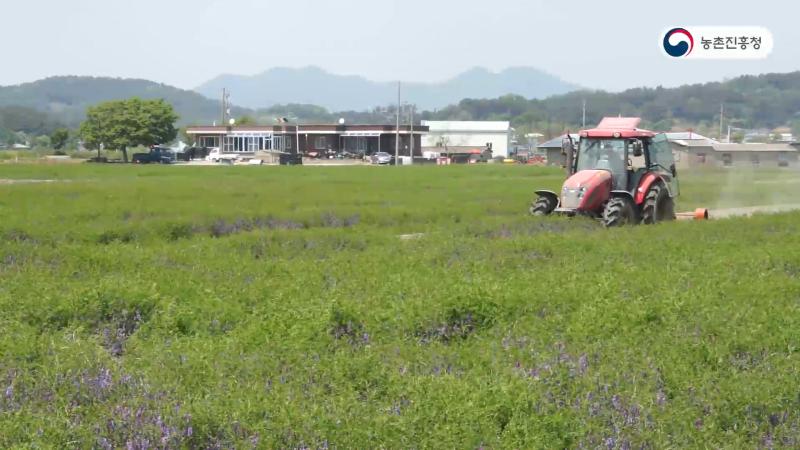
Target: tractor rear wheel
x=542, y=206
x=658, y=205
x=619, y=212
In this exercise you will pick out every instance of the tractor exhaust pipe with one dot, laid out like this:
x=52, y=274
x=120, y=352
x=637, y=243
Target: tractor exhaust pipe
x=697, y=214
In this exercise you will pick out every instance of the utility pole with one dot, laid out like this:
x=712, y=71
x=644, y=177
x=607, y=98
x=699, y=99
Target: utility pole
x=411, y=140
x=721, y=114
x=584, y=114
x=397, y=130
x=297, y=134
x=223, y=107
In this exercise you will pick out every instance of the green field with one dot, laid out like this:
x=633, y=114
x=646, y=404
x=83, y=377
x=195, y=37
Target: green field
x=276, y=307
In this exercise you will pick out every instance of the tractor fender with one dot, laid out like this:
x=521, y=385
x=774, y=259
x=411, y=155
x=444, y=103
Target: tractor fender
x=620, y=193
x=644, y=186
x=551, y=194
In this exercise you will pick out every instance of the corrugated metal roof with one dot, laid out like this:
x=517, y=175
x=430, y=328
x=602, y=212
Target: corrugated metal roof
x=770, y=147
x=466, y=125
x=687, y=136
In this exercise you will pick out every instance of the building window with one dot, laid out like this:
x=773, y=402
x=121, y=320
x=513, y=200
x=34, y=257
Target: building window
x=727, y=159
x=250, y=143
x=288, y=142
x=208, y=141
x=254, y=144
x=321, y=142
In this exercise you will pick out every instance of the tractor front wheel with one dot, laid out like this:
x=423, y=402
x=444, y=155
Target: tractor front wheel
x=658, y=205
x=618, y=212
x=543, y=206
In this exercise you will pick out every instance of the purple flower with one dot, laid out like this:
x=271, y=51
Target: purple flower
x=9, y=392
x=616, y=403
x=661, y=398
x=103, y=380
x=632, y=416
x=610, y=443
x=698, y=423
x=189, y=431
x=583, y=363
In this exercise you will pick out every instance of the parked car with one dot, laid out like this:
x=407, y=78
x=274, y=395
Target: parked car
x=156, y=155
x=214, y=155
x=192, y=153
x=381, y=158
x=290, y=159
x=431, y=155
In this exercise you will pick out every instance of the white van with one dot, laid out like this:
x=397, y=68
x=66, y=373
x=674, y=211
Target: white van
x=431, y=155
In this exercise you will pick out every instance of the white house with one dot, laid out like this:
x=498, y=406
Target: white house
x=466, y=136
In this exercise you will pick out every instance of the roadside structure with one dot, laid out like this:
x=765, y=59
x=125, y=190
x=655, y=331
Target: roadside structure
x=552, y=149
x=309, y=140
x=465, y=137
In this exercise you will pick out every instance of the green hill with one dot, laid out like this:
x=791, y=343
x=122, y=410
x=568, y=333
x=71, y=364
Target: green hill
x=763, y=101
x=65, y=98
x=767, y=101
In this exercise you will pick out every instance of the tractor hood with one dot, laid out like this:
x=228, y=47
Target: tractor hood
x=586, y=190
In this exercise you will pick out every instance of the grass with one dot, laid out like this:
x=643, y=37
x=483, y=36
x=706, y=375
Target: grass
x=276, y=307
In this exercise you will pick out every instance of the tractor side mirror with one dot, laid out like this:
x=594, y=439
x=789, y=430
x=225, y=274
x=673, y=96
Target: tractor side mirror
x=637, y=148
x=673, y=170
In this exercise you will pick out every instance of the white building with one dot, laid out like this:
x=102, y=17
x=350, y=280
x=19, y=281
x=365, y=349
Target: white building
x=466, y=136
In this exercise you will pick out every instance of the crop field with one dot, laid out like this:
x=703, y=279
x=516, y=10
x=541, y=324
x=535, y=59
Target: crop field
x=278, y=307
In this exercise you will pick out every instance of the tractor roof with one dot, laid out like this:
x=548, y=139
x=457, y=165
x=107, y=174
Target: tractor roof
x=618, y=127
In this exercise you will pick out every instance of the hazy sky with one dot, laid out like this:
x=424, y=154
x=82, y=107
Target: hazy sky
x=598, y=44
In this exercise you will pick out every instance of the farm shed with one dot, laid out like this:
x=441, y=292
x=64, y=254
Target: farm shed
x=455, y=136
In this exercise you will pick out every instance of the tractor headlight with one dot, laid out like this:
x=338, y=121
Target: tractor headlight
x=581, y=191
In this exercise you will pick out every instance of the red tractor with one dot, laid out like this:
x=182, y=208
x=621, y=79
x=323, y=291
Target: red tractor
x=617, y=173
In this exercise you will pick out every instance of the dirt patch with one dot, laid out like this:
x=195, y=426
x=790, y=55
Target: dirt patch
x=748, y=211
x=26, y=181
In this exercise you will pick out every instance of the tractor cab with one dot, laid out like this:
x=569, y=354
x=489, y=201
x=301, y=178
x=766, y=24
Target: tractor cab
x=611, y=172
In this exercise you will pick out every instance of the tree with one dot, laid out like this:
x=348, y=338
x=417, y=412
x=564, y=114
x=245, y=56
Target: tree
x=7, y=138
x=245, y=120
x=59, y=138
x=121, y=124
x=42, y=141
x=795, y=126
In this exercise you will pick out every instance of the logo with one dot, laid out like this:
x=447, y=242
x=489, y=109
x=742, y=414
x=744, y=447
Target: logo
x=684, y=44
x=716, y=42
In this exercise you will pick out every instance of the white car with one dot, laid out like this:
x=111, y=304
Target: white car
x=429, y=155
x=381, y=158
x=214, y=155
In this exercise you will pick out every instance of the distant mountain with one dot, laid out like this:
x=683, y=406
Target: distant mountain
x=312, y=85
x=65, y=98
